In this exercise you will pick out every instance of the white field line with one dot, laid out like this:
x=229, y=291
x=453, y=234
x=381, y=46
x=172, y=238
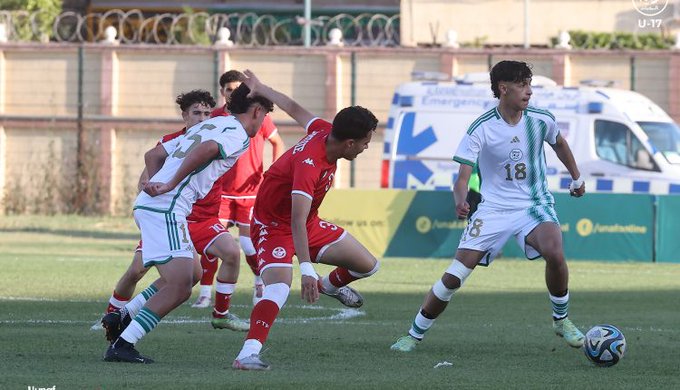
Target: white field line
x=339, y=317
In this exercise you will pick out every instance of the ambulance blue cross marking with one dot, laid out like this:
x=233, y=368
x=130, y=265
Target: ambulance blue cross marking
x=412, y=145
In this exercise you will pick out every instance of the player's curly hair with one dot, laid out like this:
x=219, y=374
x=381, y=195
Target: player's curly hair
x=188, y=99
x=354, y=122
x=231, y=76
x=510, y=71
x=239, y=102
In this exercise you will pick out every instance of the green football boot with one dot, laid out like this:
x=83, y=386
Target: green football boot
x=565, y=328
x=405, y=344
x=230, y=321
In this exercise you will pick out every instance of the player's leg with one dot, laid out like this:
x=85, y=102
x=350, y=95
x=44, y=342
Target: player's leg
x=242, y=217
x=251, y=260
x=546, y=239
x=209, y=267
x=114, y=323
x=127, y=283
x=178, y=277
x=275, y=254
x=167, y=245
x=224, y=247
x=353, y=262
x=277, y=280
x=438, y=297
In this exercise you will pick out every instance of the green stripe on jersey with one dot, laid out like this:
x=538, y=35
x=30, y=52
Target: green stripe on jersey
x=531, y=158
x=491, y=114
x=463, y=161
x=540, y=111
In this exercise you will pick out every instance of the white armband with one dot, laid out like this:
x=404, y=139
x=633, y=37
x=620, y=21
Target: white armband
x=307, y=269
x=575, y=184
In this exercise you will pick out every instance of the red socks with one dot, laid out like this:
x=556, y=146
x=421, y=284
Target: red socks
x=209, y=271
x=261, y=320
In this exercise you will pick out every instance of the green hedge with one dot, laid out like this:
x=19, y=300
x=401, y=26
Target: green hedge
x=616, y=40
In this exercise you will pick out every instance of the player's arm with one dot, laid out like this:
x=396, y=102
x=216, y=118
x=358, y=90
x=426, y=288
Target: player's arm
x=577, y=187
x=298, y=224
x=143, y=179
x=460, y=190
x=154, y=160
x=290, y=106
x=278, y=146
x=198, y=157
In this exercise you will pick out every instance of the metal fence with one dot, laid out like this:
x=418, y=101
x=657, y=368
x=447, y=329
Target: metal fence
x=243, y=29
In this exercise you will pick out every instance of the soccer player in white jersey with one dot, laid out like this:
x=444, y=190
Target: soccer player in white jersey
x=182, y=170
x=507, y=143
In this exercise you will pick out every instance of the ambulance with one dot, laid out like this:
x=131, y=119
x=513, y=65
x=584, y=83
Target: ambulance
x=622, y=141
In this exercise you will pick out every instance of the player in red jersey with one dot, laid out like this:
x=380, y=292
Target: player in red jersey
x=209, y=236
x=286, y=223
x=238, y=196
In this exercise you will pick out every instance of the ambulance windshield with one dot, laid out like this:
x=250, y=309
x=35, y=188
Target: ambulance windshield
x=665, y=137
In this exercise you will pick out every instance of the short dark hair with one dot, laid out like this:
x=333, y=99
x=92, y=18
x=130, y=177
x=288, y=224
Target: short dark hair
x=230, y=77
x=511, y=71
x=239, y=102
x=354, y=122
x=188, y=99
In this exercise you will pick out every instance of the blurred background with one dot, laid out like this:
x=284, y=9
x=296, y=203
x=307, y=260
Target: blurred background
x=86, y=87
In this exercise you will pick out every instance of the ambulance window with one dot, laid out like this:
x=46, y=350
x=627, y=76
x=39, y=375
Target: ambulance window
x=610, y=141
x=615, y=142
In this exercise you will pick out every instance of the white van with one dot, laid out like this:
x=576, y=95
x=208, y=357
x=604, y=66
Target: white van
x=622, y=141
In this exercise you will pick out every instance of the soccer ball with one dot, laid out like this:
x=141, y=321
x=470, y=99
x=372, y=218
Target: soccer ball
x=604, y=345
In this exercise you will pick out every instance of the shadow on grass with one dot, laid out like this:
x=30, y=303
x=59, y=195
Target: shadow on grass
x=74, y=233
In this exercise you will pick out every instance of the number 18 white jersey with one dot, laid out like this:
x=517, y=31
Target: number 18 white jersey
x=511, y=159
x=232, y=141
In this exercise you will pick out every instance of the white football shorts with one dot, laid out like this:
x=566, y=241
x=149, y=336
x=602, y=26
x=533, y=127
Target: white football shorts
x=164, y=236
x=489, y=229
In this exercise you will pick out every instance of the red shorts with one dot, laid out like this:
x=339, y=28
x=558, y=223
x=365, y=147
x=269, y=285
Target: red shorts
x=274, y=243
x=237, y=211
x=202, y=234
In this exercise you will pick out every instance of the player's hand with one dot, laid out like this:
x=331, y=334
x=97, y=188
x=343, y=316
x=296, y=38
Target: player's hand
x=577, y=188
x=252, y=82
x=155, y=188
x=462, y=210
x=142, y=184
x=310, y=290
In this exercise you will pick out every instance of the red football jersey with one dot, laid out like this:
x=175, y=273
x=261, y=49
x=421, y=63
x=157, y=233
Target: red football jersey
x=244, y=178
x=304, y=170
x=209, y=206
x=220, y=111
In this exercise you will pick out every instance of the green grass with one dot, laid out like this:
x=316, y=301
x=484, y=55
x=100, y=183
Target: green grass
x=57, y=273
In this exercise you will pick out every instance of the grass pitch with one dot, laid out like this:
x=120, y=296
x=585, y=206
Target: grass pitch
x=56, y=274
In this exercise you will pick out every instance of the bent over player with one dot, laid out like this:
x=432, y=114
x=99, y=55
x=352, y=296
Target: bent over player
x=184, y=172
x=239, y=188
x=507, y=144
x=286, y=223
x=209, y=237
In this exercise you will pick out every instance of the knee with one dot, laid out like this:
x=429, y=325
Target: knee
x=374, y=268
x=453, y=279
x=231, y=255
x=184, y=293
x=553, y=255
x=178, y=292
x=198, y=274
x=277, y=293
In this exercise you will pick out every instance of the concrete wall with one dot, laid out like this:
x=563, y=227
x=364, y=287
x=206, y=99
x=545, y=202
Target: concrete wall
x=128, y=98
